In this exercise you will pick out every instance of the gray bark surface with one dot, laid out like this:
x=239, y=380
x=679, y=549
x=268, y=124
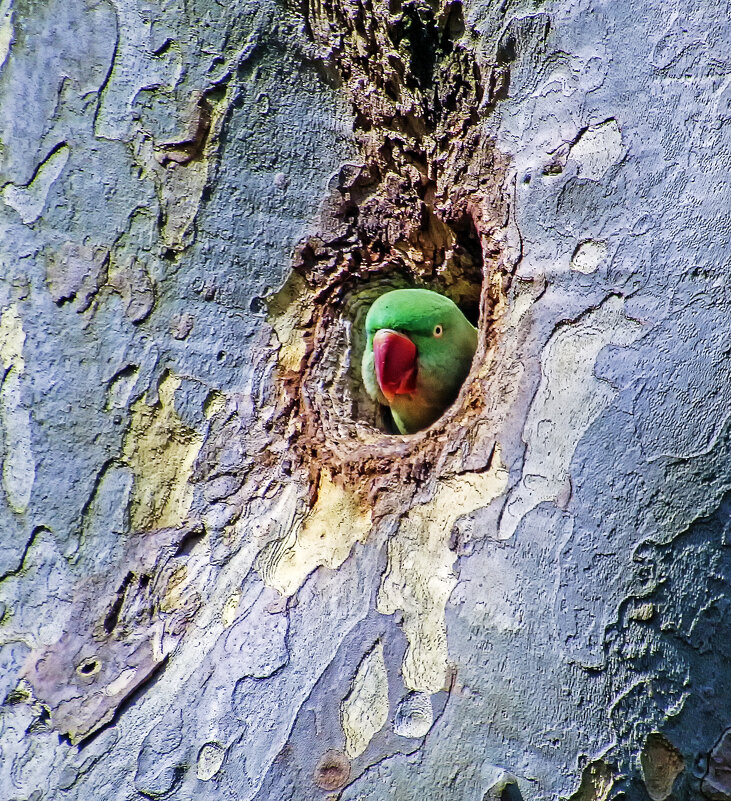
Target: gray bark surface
x=220, y=578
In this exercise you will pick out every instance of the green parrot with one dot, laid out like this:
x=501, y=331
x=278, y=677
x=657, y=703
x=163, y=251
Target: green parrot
x=419, y=351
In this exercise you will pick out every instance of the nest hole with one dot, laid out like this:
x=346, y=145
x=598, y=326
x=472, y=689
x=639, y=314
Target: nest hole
x=458, y=272
x=336, y=422
x=424, y=205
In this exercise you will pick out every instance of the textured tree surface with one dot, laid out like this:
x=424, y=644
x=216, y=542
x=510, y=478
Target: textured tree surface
x=221, y=577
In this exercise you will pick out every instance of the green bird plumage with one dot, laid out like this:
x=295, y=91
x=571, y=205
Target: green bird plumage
x=418, y=353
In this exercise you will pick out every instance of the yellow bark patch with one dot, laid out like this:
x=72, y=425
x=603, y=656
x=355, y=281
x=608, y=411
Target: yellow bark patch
x=364, y=710
x=288, y=310
x=419, y=578
x=327, y=534
x=215, y=402
x=18, y=465
x=661, y=764
x=172, y=598
x=160, y=449
x=182, y=168
x=597, y=781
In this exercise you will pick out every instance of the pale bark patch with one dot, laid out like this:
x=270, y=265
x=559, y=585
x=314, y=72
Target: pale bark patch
x=568, y=400
x=597, y=149
x=210, y=759
x=419, y=578
x=6, y=30
x=414, y=716
x=364, y=711
x=327, y=535
x=588, y=256
x=18, y=472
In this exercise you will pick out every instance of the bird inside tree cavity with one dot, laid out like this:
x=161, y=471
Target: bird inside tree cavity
x=418, y=353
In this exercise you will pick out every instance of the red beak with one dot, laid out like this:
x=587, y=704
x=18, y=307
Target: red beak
x=395, y=358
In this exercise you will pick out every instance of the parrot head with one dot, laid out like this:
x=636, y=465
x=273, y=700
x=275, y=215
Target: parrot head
x=418, y=353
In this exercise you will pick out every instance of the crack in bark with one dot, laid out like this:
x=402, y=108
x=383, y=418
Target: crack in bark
x=16, y=571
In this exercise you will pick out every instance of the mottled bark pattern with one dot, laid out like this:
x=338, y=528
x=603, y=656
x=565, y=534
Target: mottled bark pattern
x=221, y=577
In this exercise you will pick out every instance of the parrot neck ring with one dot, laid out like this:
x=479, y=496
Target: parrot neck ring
x=395, y=361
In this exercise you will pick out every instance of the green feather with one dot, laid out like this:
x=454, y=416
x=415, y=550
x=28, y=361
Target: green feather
x=443, y=362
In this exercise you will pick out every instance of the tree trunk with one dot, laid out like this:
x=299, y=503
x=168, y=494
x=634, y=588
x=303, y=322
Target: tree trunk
x=222, y=576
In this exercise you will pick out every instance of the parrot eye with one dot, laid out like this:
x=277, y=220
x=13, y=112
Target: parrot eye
x=438, y=331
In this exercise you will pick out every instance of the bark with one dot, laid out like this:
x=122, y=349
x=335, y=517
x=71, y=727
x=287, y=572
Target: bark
x=221, y=575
